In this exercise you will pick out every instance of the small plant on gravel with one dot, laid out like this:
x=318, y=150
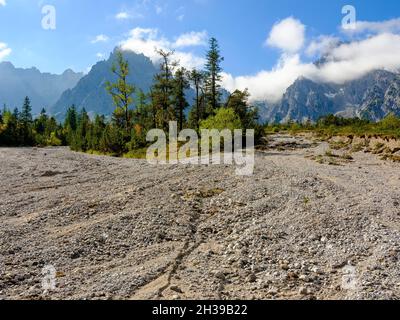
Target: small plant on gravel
x=347, y=156
x=357, y=148
x=319, y=159
x=338, y=145
x=209, y=193
x=329, y=153
x=333, y=162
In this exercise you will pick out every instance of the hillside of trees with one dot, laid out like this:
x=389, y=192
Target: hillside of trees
x=331, y=125
x=137, y=112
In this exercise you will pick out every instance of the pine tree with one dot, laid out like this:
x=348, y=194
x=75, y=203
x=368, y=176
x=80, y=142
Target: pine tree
x=213, y=76
x=181, y=84
x=144, y=111
x=162, y=91
x=26, y=113
x=71, y=119
x=80, y=141
x=70, y=126
x=26, y=123
x=41, y=122
x=239, y=102
x=121, y=91
x=196, y=79
x=96, y=132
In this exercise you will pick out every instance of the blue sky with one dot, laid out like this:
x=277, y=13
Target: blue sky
x=242, y=28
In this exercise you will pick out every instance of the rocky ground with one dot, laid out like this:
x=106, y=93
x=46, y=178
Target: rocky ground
x=300, y=228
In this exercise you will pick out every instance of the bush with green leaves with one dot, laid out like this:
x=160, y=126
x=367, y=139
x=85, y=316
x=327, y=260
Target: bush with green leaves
x=225, y=118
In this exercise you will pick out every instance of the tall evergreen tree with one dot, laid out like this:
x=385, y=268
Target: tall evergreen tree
x=121, y=91
x=80, y=141
x=26, y=113
x=239, y=102
x=71, y=119
x=144, y=111
x=196, y=78
x=26, y=123
x=181, y=84
x=40, y=123
x=162, y=91
x=213, y=76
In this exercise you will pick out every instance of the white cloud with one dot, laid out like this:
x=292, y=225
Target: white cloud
x=125, y=15
x=100, y=38
x=287, y=35
x=191, y=39
x=322, y=45
x=351, y=61
x=388, y=26
x=2, y=2
x=100, y=55
x=146, y=41
x=122, y=15
x=270, y=85
x=4, y=50
x=346, y=62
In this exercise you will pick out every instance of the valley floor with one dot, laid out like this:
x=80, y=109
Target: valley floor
x=123, y=229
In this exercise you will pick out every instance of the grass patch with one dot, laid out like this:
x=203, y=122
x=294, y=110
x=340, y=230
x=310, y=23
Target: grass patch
x=136, y=154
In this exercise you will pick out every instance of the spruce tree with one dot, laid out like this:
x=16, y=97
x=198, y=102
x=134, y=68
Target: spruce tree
x=181, y=84
x=162, y=91
x=26, y=113
x=26, y=123
x=213, y=76
x=196, y=78
x=71, y=119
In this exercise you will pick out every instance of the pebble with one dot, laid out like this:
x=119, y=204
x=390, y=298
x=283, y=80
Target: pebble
x=176, y=289
x=303, y=291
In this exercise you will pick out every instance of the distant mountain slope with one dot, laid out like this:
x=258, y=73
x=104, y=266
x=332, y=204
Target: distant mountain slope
x=373, y=97
x=91, y=92
x=44, y=89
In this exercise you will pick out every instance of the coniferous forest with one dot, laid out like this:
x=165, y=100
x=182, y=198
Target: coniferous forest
x=136, y=112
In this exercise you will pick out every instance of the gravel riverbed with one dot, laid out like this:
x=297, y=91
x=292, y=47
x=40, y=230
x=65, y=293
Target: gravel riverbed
x=111, y=228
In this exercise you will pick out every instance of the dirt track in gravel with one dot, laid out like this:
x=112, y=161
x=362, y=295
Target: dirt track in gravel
x=123, y=229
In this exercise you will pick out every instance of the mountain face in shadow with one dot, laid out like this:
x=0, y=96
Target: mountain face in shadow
x=44, y=89
x=90, y=92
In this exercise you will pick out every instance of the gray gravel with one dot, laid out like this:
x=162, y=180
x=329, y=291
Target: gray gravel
x=123, y=229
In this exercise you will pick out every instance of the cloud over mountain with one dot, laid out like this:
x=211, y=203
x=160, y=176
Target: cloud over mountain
x=147, y=40
x=343, y=61
x=4, y=50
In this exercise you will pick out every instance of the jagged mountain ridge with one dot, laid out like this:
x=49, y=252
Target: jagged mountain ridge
x=90, y=92
x=372, y=97
x=44, y=89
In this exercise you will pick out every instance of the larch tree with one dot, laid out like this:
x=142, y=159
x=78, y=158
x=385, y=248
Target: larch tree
x=181, y=84
x=121, y=91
